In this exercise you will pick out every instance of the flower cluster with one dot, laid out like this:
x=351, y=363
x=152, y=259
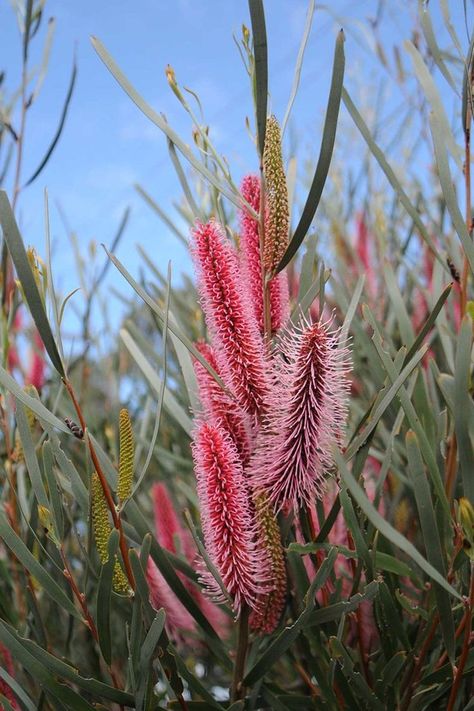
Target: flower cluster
x=262, y=443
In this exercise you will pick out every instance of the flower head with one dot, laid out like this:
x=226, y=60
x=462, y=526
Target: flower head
x=218, y=407
x=295, y=448
x=228, y=524
x=238, y=345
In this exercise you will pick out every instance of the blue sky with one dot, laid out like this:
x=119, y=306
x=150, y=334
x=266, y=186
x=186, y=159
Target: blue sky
x=108, y=145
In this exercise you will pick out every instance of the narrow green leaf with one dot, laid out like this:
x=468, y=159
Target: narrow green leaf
x=382, y=406
x=427, y=326
x=412, y=415
x=325, y=155
x=40, y=673
x=53, y=490
x=147, y=651
x=183, y=182
x=431, y=537
x=60, y=127
x=169, y=400
x=104, y=595
x=447, y=187
x=79, y=490
x=432, y=95
x=38, y=408
x=27, y=559
x=158, y=120
x=162, y=215
x=162, y=393
x=391, y=177
x=366, y=696
x=18, y=690
x=31, y=460
x=467, y=88
x=50, y=282
x=463, y=419
x=259, y=33
x=27, y=29
x=334, y=612
x=299, y=63
x=386, y=529
x=399, y=307
x=350, y=313
x=172, y=325
x=427, y=26
x=19, y=257
x=308, y=618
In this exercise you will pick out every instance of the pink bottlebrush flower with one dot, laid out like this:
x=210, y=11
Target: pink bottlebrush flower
x=35, y=375
x=218, y=407
x=238, y=345
x=7, y=663
x=252, y=264
x=178, y=619
x=308, y=416
x=228, y=523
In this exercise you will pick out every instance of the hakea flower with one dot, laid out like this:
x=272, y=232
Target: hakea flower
x=266, y=618
x=238, y=345
x=308, y=415
x=218, y=407
x=174, y=538
x=276, y=198
x=228, y=523
x=7, y=663
x=251, y=261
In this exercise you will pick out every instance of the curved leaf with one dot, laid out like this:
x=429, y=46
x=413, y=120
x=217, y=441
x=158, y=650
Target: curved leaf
x=325, y=155
x=19, y=257
x=259, y=32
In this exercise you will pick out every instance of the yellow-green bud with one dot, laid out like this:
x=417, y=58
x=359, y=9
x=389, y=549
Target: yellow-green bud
x=100, y=519
x=276, y=197
x=125, y=478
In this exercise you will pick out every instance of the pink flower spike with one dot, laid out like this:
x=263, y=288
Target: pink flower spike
x=252, y=264
x=228, y=525
x=238, y=345
x=295, y=450
x=218, y=407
